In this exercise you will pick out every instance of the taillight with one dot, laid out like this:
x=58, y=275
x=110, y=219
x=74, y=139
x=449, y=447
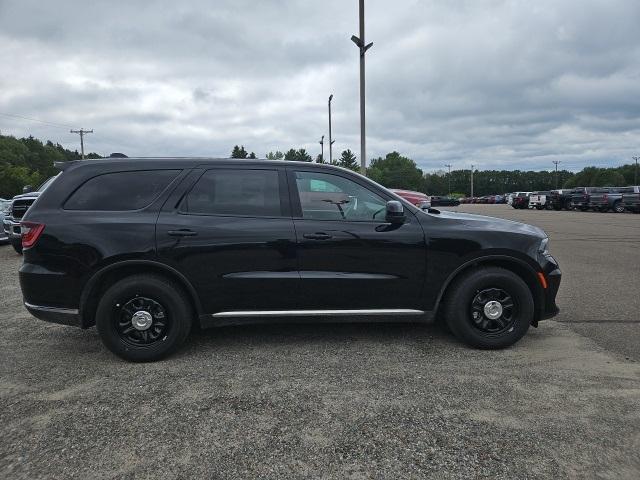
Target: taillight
x=31, y=232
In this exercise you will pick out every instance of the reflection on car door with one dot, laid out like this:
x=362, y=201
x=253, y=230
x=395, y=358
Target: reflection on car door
x=230, y=231
x=349, y=256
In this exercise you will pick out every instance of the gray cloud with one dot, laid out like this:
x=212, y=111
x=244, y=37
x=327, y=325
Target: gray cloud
x=494, y=83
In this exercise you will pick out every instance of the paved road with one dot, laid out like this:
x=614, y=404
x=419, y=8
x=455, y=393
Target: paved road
x=340, y=401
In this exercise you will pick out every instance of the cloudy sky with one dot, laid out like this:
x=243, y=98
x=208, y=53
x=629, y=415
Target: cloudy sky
x=513, y=84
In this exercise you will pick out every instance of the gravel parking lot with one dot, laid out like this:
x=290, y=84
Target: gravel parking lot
x=344, y=400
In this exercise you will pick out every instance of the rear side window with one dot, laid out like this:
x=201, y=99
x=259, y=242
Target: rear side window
x=235, y=192
x=121, y=190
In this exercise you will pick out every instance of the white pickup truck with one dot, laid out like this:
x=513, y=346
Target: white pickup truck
x=540, y=200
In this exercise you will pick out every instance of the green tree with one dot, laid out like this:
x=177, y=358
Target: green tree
x=239, y=152
x=396, y=171
x=252, y=155
x=348, y=160
x=277, y=155
x=300, y=155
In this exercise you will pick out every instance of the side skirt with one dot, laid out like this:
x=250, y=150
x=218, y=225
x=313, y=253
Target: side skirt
x=313, y=316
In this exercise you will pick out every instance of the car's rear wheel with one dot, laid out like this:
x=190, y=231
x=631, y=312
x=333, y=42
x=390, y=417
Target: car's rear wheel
x=489, y=307
x=143, y=318
x=618, y=207
x=17, y=245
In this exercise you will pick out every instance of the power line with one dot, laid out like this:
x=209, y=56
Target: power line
x=58, y=125
x=557, y=162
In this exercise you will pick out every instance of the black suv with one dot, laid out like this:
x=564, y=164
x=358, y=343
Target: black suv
x=143, y=248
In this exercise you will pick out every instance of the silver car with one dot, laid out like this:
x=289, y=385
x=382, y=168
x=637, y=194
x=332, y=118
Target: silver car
x=5, y=209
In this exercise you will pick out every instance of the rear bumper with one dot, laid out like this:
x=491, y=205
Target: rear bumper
x=62, y=316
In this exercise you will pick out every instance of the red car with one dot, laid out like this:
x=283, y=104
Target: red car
x=418, y=199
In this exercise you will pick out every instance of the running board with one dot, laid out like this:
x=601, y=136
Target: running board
x=320, y=316
x=315, y=313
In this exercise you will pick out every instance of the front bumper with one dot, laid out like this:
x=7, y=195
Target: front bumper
x=11, y=228
x=549, y=307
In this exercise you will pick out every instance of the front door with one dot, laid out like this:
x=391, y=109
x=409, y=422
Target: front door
x=349, y=256
x=230, y=232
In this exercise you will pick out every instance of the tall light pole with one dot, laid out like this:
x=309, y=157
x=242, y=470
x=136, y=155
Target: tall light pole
x=472, y=180
x=82, y=133
x=322, y=149
x=331, y=142
x=363, y=47
x=556, y=162
x=635, y=175
x=449, y=177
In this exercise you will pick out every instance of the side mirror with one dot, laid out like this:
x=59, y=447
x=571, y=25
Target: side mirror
x=395, y=212
x=27, y=188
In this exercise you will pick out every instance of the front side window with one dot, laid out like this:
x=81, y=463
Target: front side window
x=120, y=191
x=235, y=192
x=325, y=196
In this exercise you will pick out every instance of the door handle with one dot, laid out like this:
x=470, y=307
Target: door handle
x=317, y=236
x=183, y=232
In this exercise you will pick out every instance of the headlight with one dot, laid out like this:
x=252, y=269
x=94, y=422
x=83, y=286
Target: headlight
x=544, y=246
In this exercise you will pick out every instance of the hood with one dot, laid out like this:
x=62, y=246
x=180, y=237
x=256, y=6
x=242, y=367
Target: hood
x=27, y=195
x=492, y=223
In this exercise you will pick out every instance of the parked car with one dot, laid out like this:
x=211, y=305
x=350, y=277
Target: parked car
x=631, y=198
x=609, y=198
x=5, y=209
x=561, y=198
x=580, y=198
x=419, y=199
x=521, y=200
x=437, y=201
x=19, y=206
x=539, y=200
x=512, y=196
x=145, y=248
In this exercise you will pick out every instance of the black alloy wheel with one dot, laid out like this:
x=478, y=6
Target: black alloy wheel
x=143, y=318
x=492, y=311
x=489, y=307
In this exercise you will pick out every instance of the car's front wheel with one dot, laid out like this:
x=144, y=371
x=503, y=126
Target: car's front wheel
x=489, y=307
x=143, y=318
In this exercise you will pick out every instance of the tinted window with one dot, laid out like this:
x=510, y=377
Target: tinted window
x=331, y=197
x=121, y=190
x=235, y=192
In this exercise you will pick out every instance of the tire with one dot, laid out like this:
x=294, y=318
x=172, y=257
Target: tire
x=168, y=311
x=539, y=207
x=567, y=205
x=482, y=283
x=618, y=207
x=17, y=245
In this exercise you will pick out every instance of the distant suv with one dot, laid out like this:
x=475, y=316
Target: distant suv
x=540, y=200
x=580, y=198
x=607, y=198
x=145, y=248
x=631, y=198
x=19, y=206
x=520, y=200
x=444, y=201
x=561, y=199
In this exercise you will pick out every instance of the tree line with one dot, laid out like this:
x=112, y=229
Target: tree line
x=29, y=161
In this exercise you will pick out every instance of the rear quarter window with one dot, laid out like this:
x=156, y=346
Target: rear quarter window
x=120, y=191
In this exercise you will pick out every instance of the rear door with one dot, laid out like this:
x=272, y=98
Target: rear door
x=349, y=256
x=230, y=232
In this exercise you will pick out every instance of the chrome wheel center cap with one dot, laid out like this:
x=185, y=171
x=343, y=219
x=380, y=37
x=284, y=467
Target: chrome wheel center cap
x=493, y=310
x=141, y=320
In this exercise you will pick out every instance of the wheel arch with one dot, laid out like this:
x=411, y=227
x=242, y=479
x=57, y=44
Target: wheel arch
x=110, y=274
x=515, y=265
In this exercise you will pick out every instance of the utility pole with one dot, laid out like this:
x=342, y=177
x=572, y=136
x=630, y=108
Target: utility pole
x=449, y=177
x=331, y=142
x=82, y=133
x=322, y=149
x=635, y=174
x=472, y=181
x=556, y=162
x=363, y=47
